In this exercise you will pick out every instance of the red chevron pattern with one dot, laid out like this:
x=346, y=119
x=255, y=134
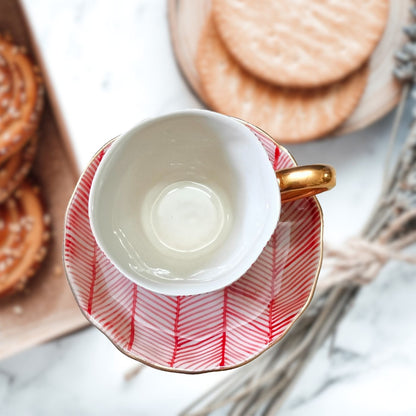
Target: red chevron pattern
x=206, y=332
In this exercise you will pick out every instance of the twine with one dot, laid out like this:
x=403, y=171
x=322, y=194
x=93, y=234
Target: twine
x=359, y=261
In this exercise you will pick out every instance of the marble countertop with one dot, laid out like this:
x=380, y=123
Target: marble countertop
x=112, y=65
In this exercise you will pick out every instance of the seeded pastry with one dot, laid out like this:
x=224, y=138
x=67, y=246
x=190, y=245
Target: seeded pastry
x=24, y=233
x=14, y=170
x=21, y=99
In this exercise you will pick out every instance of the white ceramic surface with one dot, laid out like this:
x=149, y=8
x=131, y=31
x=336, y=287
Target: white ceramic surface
x=185, y=203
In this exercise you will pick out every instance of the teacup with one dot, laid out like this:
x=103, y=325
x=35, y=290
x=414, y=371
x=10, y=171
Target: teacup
x=184, y=203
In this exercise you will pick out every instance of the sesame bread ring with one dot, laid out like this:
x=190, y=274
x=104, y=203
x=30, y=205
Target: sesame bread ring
x=21, y=98
x=24, y=232
x=16, y=168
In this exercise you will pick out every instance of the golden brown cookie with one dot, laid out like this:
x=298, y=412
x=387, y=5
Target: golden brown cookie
x=289, y=115
x=16, y=168
x=23, y=237
x=21, y=99
x=302, y=43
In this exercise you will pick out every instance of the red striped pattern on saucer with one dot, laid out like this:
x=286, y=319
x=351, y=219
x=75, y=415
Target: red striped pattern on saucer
x=208, y=332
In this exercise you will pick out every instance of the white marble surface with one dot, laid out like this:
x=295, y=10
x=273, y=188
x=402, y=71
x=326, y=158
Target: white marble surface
x=112, y=65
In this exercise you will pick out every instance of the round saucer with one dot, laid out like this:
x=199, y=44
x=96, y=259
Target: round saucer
x=207, y=332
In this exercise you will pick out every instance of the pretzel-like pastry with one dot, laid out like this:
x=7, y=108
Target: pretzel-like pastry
x=24, y=232
x=16, y=168
x=21, y=98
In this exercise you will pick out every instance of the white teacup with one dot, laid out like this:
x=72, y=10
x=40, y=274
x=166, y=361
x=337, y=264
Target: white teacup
x=185, y=203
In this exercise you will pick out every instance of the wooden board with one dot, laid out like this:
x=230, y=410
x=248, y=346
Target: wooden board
x=47, y=308
x=186, y=18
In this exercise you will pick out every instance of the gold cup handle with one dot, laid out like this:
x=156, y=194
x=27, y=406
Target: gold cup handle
x=303, y=181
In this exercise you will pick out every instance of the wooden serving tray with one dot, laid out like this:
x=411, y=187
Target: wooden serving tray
x=46, y=309
x=187, y=17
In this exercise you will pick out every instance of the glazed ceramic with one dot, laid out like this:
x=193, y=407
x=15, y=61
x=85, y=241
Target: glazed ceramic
x=184, y=203
x=206, y=332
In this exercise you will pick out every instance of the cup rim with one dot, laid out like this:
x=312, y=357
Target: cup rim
x=192, y=287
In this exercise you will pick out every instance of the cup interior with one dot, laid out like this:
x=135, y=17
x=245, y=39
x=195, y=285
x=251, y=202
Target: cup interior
x=185, y=203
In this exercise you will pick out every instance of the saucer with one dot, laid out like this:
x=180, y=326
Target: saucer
x=207, y=332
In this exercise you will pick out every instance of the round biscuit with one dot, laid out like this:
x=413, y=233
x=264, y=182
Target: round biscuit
x=301, y=43
x=289, y=115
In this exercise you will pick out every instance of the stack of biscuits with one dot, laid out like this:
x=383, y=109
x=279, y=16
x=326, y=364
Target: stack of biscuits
x=23, y=222
x=296, y=69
